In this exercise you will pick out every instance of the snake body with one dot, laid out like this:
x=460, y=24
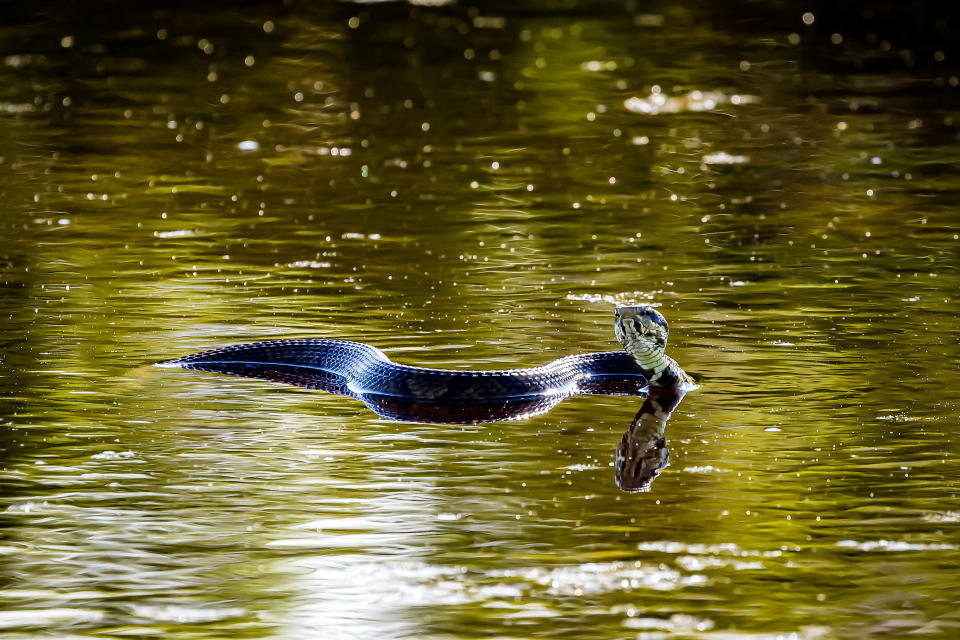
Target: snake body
x=360, y=370
x=400, y=391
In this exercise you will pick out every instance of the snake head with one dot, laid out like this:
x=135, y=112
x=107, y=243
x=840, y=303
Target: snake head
x=641, y=326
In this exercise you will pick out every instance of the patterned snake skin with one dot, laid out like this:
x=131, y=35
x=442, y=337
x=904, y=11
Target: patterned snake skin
x=360, y=370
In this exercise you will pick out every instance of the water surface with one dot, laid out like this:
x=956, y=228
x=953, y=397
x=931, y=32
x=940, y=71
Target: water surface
x=476, y=188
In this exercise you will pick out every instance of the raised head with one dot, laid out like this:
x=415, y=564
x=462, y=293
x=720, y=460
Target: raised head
x=643, y=332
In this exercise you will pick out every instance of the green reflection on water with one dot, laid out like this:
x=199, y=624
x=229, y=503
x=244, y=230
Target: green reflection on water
x=467, y=192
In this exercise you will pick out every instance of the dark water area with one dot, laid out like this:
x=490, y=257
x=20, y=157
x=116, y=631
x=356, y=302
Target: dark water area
x=469, y=187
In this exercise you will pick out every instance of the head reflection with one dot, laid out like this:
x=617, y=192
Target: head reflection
x=643, y=449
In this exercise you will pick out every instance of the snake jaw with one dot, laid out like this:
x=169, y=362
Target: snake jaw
x=642, y=323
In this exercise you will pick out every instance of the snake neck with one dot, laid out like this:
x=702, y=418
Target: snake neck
x=660, y=369
x=649, y=357
x=673, y=377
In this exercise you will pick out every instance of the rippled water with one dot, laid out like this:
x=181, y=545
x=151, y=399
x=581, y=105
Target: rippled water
x=475, y=188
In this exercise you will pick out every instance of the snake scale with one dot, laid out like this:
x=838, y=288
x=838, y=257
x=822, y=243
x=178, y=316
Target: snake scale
x=363, y=371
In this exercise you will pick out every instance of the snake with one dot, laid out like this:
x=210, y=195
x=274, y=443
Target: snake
x=363, y=371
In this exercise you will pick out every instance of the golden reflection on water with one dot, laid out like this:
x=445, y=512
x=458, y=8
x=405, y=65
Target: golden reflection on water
x=467, y=189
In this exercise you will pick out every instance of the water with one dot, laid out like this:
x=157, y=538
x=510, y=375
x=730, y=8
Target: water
x=475, y=189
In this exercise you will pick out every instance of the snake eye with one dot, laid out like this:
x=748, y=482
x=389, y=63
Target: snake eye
x=655, y=316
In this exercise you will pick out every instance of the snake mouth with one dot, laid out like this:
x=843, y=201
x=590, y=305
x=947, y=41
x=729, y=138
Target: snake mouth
x=644, y=325
x=645, y=319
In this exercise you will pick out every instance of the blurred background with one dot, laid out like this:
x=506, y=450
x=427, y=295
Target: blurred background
x=475, y=185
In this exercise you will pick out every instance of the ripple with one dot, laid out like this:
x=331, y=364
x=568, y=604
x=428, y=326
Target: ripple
x=895, y=545
x=728, y=548
x=352, y=235
x=309, y=264
x=722, y=157
x=605, y=577
x=707, y=468
x=657, y=102
x=630, y=297
x=945, y=516
x=17, y=107
x=677, y=623
x=24, y=618
x=182, y=614
x=177, y=233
